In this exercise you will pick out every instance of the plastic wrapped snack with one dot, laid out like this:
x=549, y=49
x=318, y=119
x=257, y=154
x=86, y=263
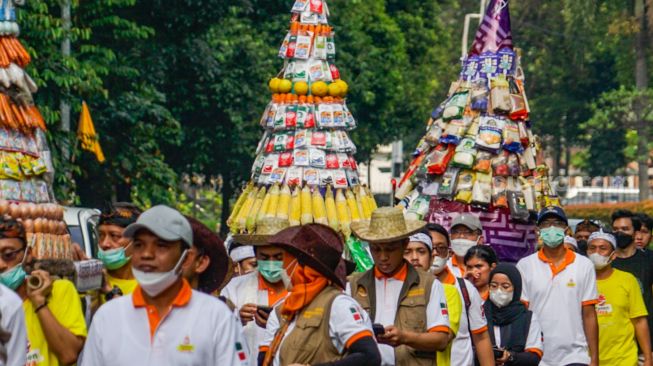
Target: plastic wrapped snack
x=480, y=95
x=500, y=102
x=484, y=162
x=438, y=159
x=519, y=106
x=465, y=154
x=472, y=130
x=500, y=165
x=465, y=186
x=419, y=208
x=434, y=133
x=482, y=191
x=448, y=185
x=514, y=168
x=499, y=191
x=455, y=106
x=455, y=130
x=517, y=204
x=490, y=133
x=511, y=138
x=294, y=176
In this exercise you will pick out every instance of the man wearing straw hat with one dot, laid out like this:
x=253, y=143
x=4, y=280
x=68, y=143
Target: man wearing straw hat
x=317, y=324
x=409, y=303
x=256, y=293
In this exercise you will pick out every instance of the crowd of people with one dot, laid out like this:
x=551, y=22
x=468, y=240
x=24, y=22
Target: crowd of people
x=175, y=294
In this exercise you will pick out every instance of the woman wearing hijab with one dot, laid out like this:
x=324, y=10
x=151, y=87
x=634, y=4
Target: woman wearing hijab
x=317, y=323
x=515, y=332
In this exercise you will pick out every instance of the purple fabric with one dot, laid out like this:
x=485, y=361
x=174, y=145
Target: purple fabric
x=494, y=32
x=510, y=240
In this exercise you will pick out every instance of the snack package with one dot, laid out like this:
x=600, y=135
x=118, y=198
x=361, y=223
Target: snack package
x=500, y=164
x=350, y=121
x=528, y=158
x=280, y=118
x=319, y=139
x=519, y=108
x=500, y=102
x=325, y=112
x=303, y=45
x=277, y=176
x=434, y=133
x=271, y=162
x=455, y=130
x=263, y=143
x=490, y=133
x=431, y=188
x=285, y=159
x=332, y=161
x=513, y=165
x=338, y=115
x=472, y=130
x=511, y=139
x=484, y=162
x=326, y=177
x=422, y=147
x=524, y=137
x=455, y=106
x=302, y=138
x=257, y=167
x=471, y=67
x=280, y=141
x=465, y=154
x=529, y=193
x=480, y=94
x=290, y=141
x=311, y=176
x=292, y=42
x=299, y=71
x=299, y=6
x=291, y=117
x=482, y=191
x=305, y=116
x=489, y=65
x=317, y=158
x=294, y=176
x=448, y=185
x=352, y=162
x=343, y=161
x=465, y=186
x=283, y=49
x=11, y=167
x=351, y=177
x=438, y=160
x=506, y=64
x=517, y=204
x=267, y=119
x=499, y=189
x=41, y=189
x=419, y=208
x=309, y=17
x=315, y=70
x=320, y=46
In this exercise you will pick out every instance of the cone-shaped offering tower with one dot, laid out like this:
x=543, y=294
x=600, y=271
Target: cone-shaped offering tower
x=26, y=174
x=304, y=169
x=479, y=154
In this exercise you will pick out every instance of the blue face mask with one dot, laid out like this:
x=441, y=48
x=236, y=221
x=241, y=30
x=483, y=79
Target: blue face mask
x=552, y=236
x=270, y=270
x=113, y=258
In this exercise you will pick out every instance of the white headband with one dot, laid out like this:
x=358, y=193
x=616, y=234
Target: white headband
x=240, y=253
x=422, y=238
x=605, y=236
x=570, y=240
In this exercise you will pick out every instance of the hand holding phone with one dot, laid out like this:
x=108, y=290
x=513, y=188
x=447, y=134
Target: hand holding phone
x=378, y=329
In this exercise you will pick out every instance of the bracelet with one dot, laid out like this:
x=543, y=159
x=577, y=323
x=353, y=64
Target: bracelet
x=40, y=307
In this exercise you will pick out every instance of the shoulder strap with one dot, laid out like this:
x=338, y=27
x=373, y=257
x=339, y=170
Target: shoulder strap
x=466, y=298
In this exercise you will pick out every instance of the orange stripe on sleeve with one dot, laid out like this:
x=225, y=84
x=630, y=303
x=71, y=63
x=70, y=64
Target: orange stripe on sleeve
x=526, y=303
x=537, y=351
x=439, y=328
x=590, y=302
x=357, y=337
x=263, y=349
x=480, y=330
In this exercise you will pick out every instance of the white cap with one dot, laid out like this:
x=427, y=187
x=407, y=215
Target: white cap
x=241, y=253
x=164, y=222
x=422, y=238
x=571, y=241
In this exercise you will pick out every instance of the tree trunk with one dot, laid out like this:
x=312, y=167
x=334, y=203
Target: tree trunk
x=227, y=192
x=641, y=81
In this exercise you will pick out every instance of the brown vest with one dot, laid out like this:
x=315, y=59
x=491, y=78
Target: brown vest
x=411, y=312
x=309, y=341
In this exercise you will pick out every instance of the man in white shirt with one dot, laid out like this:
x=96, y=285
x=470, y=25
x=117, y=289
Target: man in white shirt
x=466, y=232
x=409, y=303
x=164, y=322
x=12, y=322
x=560, y=288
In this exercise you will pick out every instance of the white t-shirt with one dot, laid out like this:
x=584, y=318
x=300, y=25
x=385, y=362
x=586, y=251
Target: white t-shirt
x=387, y=298
x=203, y=332
x=462, y=353
x=453, y=263
x=13, y=322
x=534, y=340
x=347, y=321
x=557, y=296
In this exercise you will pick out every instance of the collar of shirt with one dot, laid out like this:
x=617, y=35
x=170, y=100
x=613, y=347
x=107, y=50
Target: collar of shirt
x=273, y=295
x=399, y=276
x=461, y=266
x=450, y=279
x=570, y=257
x=182, y=299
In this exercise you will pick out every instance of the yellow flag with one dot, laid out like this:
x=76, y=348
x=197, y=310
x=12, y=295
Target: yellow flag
x=87, y=135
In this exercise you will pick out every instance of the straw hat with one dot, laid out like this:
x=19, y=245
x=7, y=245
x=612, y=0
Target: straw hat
x=387, y=224
x=265, y=228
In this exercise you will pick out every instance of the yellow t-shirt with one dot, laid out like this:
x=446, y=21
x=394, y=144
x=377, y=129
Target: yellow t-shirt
x=66, y=307
x=455, y=307
x=126, y=286
x=620, y=300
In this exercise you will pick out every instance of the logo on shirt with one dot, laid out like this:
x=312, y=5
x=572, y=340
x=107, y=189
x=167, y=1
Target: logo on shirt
x=602, y=307
x=445, y=311
x=355, y=314
x=571, y=283
x=186, y=346
x=239, y=350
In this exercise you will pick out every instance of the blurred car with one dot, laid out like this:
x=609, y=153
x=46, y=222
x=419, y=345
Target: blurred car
x=82, y=225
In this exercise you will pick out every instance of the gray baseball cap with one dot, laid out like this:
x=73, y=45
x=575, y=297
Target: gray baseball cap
x=164, y=222
x=468, y=220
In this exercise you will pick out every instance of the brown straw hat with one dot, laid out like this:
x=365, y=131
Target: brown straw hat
x=387, y=224
x=265, y=228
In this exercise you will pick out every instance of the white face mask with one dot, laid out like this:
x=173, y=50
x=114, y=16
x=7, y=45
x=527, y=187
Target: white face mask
x=461, y=246
x=154, y=283
x=500, y=298
x=599, y=261
x=286, y=278
x=439, y=264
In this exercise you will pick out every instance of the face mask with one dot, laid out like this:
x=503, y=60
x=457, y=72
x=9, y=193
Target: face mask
x=438, y=265
x=552, y=236
x=113, y=258
x=461, y=246
x=500, y=298
x=271, y=270
x=582, y=246
x=287, y=282
x=623, y=240
x=154, y=283
x=599, y=261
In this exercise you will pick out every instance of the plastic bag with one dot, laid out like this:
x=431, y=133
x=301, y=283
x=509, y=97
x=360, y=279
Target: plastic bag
x=490, y=134
x=455, y=130
x=519, y=106
x=499, y=191
x=455, y=106
x=434, y=133
x=517, y=204
x=448, y=185
x=480, y=95
x=418, y=208
x=465, y=185
x=484, y=162
x=438, y=159
x=511, y=138
x=482, y=191
x=500, y=165
x=465, y=154
x=500, y=102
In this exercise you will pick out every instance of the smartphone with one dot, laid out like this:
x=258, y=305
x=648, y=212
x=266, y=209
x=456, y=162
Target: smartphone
x=264, y=309
x=498, y=353
x=378, y=329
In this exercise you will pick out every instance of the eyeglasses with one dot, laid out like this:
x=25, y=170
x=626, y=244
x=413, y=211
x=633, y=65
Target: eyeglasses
x=441, y=251
x=556, y=223
x=10, y=255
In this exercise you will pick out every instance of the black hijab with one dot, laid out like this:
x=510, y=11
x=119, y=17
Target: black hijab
x=514, y=314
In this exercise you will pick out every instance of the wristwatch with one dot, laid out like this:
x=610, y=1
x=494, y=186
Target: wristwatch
x=115, y=291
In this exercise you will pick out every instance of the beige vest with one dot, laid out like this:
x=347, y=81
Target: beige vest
x=411, y=312
x=309, y=341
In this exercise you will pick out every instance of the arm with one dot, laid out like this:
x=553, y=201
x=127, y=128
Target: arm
x=591, y=328
x=643, y=338
x=432, y=341
x=363, y=352
x=483, y=346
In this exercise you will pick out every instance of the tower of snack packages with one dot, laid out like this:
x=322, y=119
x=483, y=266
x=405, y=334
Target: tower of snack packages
x=479, y=154
x=25, y=162
x=305, y=169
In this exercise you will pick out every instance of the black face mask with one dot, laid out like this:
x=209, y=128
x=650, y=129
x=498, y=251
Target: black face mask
x=582, y=247
x=623, y=240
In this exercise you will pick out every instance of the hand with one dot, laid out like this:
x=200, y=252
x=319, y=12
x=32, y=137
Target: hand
x=648, y=362
x=247, y=313
x=503, y=359
x=392, y=336
x=261, y=318
x=78, y=253
x=38, y=296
